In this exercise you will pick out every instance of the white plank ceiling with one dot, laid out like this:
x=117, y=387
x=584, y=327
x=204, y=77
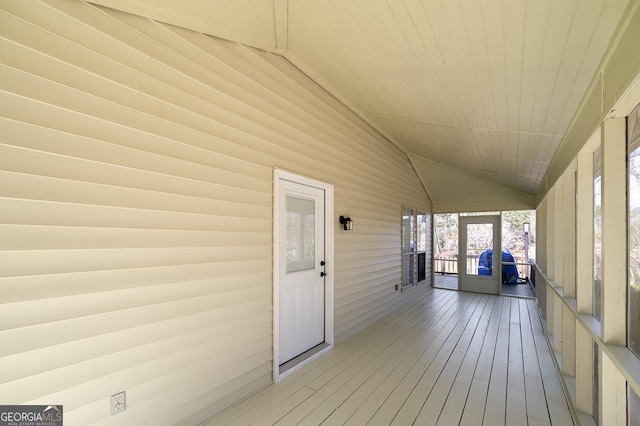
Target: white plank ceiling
x=485, y=86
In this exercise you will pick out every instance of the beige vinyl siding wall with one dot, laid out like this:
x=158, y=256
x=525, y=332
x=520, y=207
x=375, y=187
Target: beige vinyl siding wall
x=136, y=176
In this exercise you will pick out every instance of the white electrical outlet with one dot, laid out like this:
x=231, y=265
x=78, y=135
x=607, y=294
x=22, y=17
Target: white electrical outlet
x=118, y=403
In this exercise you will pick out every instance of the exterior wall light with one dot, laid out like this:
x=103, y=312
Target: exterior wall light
x=526, y=227
x=347, y=223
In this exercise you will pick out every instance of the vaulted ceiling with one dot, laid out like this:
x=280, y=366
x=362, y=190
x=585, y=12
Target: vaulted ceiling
x=488, y=87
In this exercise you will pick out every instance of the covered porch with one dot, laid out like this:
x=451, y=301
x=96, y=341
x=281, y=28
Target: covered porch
x=445, y=358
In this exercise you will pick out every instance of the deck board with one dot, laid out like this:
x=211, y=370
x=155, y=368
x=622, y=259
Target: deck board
x=440, y=392
x=497, y=393
x=516, y=413
x=445, y=358
x=405, y=396
x=425, y=351
x=457, y=398
x=537, y=410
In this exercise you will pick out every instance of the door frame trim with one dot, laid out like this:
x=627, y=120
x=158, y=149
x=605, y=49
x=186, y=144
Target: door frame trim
x=329, y=334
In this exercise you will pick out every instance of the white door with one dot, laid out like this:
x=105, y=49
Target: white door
x=480, y=260
x=301, y=289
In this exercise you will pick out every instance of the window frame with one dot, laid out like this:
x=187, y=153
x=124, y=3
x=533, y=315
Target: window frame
x=410, y=255
x=633, y=146
x=409, y=258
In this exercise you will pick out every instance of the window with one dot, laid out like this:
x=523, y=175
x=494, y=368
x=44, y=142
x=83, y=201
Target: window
x=408, y=246
x=597, y=230
x=301, y=234
x=479, y=239
x=423, y=230
x=633, y=231
x=416, y=229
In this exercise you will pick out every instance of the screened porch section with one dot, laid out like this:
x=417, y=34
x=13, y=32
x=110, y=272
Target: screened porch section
x=516, y=232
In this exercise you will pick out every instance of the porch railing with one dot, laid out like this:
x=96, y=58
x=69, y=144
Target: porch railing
x=446, y=265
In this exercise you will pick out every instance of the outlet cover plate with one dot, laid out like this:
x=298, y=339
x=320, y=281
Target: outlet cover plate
x=118, y=403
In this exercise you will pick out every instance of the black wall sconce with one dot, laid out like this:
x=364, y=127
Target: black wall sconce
x=347, y=223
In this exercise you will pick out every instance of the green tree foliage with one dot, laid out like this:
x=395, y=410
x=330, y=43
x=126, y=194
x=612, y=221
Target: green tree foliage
x=513, y=230
x=446, y=235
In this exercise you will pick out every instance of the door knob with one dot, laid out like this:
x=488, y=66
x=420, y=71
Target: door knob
x=322, y=263
x=322, y=274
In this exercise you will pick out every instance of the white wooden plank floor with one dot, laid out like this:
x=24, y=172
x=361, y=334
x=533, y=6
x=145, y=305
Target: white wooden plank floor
x=447, y=358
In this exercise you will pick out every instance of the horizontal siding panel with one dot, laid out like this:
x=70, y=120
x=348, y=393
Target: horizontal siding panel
x=22, y=109
x=19, y=314
x=360, y=289
x=362, y=316
x=154, y=122
x=36, y=287
x=25, y=212
x=24, y=237
x=349, y=306
x=358, y=239
x=126, y=167
x=40, y=262
x=368, y=280
x=33, y=187
x=379, y=208
x=91, y=363
x=136, y=211
x=104, y=174
x=148, y=155
x=25, y=111
x=60, y=332
x=375, y=256
x=385, y=197
x=365, y=272
x=361, y=285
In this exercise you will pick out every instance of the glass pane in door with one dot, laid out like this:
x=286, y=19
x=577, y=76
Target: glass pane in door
x=300, y=234
x=479, y=245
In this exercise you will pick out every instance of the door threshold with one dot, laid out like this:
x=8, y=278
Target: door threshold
x=303, y=357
